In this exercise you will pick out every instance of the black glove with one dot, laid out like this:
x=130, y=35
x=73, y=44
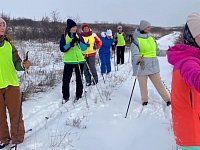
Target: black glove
x=74, y=40
x=116, y=42
x=113, y=47
x=95, y=47
x=72, y=43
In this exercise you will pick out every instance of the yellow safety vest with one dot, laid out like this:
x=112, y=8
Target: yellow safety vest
x=8, y=75
x=147, y=47
x=120, y=40
x=90, y=40
x=74, y=55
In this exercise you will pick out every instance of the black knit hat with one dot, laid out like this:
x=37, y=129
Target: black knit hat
x=70, y=24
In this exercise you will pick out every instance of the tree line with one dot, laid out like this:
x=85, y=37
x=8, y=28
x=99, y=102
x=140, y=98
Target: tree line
x=51, y=28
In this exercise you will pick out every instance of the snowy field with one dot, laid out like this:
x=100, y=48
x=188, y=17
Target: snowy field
x=97, y=121
x=46, y=65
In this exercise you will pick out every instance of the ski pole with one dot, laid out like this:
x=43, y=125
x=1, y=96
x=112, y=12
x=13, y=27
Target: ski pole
x=87, y=105
x=166, y=87
x=94, y=81
x=129, y=54
x=114, y=59
x=22, y=98
x=87, y=65
x=117, y=57
x=132, y=90
x=103, y=79
x=79, y=67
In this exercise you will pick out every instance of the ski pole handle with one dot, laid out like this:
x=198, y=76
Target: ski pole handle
x=26, y=57
x=139, y=61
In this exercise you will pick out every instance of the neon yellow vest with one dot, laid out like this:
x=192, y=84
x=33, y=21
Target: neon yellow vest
x=74, y=55
x=120, y=40
x=90, y=40
x=147, y=47
x=8, y=75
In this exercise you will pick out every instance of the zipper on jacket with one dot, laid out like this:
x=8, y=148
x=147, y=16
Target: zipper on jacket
x=191, y=100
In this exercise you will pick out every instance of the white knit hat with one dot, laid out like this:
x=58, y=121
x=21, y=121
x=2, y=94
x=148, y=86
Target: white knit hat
x=119, y=27
x=2, y=21
x=109, y=32
x=193, y=22
x=103, y=34
x=144, y=24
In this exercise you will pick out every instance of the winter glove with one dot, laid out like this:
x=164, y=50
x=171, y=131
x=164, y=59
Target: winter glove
x=74, y=40
x=94, y=47
x=88, y=45
x=72, y=43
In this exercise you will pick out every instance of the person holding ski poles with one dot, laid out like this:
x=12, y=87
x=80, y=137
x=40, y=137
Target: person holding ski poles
x=120, y=44
x=72, y=45
x=105, y=50
x=185, y=92
x=94, y=43
x=144, y=50
x=10, y=91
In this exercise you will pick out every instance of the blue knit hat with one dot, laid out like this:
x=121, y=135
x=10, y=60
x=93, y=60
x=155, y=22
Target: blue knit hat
x=70, y=24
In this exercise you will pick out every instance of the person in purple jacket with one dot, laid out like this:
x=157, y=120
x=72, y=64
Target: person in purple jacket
x=104, y=51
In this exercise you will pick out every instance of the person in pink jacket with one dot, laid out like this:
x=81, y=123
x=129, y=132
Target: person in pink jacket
x=185, y=92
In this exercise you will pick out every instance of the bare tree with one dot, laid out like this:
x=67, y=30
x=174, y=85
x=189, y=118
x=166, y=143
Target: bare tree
x=45, y=18
x=5, y=16
x=55, y=16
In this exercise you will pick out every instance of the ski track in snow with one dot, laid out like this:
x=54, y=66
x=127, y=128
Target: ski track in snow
x=102, y=126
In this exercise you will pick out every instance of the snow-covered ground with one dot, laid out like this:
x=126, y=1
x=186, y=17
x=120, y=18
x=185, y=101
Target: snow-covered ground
x=46, y=65
x=97, y=121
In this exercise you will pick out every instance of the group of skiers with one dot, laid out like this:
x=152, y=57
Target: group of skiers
x=80, y=51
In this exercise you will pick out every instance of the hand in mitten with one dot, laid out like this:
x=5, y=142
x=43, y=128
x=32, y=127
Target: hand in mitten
x=76, y=39
x=72, y=43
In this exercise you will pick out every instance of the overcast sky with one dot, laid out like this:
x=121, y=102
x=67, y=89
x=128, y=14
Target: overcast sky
x=158, y=12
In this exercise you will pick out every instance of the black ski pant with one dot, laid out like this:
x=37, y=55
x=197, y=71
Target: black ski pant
x=120, y=54
x=67, y=74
